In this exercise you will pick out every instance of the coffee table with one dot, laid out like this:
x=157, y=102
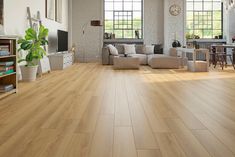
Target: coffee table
x=126, y=63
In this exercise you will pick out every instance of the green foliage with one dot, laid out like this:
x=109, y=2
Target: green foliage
x=32, y=43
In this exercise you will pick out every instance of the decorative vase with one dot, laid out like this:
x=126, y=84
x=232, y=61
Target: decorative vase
x=29, y=73
x=176, y=43
x=233, y=39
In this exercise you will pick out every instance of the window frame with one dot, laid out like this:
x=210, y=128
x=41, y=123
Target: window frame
x=212, y=11
x=132, y=21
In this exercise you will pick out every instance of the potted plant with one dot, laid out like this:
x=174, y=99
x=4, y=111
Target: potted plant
x=32, y=43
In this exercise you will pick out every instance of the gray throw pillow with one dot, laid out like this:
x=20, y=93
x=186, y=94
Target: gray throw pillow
x=149, y=49
x=140, y=49
x=120, y=48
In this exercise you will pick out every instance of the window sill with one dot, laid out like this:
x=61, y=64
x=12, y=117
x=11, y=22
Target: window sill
x=207, y=40
x=124, y=41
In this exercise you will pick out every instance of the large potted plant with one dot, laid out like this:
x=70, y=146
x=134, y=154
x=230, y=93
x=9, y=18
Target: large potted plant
x=32, y=44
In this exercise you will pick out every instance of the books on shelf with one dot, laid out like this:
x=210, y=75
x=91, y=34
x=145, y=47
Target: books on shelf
x=6, y=45
x=6, y=88
x=9, y=63
x=4, y=48
x=6, y=68
x=9, y=71
x=4, y=53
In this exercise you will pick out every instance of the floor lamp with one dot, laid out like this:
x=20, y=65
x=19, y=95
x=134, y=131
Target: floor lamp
x=93, y=23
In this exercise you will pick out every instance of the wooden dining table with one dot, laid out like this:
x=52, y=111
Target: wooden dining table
x=226, y=46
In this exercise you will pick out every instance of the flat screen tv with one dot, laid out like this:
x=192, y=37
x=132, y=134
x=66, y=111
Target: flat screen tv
x=62, y=37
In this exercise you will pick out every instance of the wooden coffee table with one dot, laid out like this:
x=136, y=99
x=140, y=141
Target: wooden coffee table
x=126, y=63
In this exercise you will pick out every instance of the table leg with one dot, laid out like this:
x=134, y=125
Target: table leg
x=213, y=49
x=233, y=62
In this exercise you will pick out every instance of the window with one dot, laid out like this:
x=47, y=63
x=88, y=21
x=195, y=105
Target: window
x=204, y=18
x=123, y=18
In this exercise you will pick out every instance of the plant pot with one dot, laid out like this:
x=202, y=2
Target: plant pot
x=29, y=73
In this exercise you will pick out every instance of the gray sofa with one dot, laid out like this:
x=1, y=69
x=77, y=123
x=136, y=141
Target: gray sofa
x=171, y=61
x=107, y=58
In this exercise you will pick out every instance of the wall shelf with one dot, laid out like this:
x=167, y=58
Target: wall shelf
x=3, y=95
x=8, y=56
x=10, y=42
x=5, y=75
x=123, y=41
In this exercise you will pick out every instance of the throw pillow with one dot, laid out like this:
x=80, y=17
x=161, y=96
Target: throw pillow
x=113, y=50
x=140, y=49
x=120, y=48
x=149, y=49
x=129, y=49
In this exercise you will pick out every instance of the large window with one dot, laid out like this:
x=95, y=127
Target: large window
x=124, y=18
x=204, y=18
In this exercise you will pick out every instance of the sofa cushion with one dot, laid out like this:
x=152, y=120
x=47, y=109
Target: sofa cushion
x=120, y=48
x=129, y=49
x=164, y=61
x=112, y=50
x=143, y=58
x=148, y=49
x=112, y=56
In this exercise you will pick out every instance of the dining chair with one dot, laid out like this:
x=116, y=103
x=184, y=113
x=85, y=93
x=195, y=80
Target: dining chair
x=221, y=57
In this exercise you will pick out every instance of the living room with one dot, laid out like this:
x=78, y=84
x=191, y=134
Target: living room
x=117, y=78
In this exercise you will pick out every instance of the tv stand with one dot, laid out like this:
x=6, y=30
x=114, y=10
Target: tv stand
x=60, y=61
x=63, y=52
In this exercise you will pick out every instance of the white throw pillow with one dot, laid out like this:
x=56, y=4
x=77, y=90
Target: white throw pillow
x=129, y=49
x=149, y=49
x=113, y=50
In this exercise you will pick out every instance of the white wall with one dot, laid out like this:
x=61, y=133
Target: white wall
x=15, y=16
x=90, y=43
x=173, y=24
x=153, y=21
x=230, y=25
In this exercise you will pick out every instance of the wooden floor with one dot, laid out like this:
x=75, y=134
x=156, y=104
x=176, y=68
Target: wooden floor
x=90, y=110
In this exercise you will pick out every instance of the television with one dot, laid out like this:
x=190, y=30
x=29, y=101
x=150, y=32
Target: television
x=62, y=37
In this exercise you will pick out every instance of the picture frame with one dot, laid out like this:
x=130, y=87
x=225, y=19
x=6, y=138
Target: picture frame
x=58, y=11
x=51, y=9
x=54, y=10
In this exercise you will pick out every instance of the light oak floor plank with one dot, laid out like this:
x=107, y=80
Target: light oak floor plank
x=186, y=139
x=212, y=144
x=149, y=153
x=124, y=145
x=169, y=145
x=90, y=110
x=102, y=142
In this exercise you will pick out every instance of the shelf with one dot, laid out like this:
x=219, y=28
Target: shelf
x=123, y=40
x=5, y=75
x=208, y=40
x=11, y=78
x=9, y=37
x=2, y=95
x=11, y=56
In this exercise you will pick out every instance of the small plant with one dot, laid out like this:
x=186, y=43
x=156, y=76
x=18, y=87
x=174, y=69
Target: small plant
x=33, y=43
x=233, y=39
x=188, y=36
